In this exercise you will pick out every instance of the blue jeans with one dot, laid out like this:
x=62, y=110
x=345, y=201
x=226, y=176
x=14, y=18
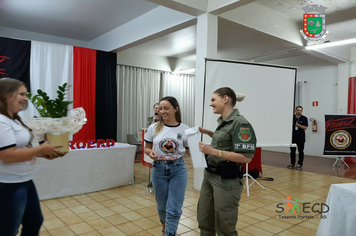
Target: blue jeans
x=19, y=204
x=169, y=179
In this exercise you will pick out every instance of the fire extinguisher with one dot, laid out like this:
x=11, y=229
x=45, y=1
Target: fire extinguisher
x=314, y=125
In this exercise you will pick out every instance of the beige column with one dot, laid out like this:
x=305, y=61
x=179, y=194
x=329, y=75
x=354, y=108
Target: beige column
x=353, y=61
x=206, y=47
x=343, y=74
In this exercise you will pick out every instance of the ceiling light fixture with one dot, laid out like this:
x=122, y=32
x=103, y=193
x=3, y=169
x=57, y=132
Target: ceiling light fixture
x=326, y=45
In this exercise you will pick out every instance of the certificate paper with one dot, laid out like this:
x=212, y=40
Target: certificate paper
x=193, y=138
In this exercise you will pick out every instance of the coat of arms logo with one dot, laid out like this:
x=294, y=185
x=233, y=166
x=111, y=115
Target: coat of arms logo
x=314, y=28
x=244, y=134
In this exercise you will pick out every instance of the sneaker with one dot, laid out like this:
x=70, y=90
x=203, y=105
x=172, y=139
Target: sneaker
x=290, y=166
x=299, y=167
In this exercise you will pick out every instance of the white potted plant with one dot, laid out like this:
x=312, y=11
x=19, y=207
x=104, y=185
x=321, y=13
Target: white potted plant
x=57, y=122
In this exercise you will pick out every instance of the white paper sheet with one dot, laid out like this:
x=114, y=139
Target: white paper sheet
x=193, y=138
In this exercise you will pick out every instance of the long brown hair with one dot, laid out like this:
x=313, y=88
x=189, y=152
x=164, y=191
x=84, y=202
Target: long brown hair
x=8, y=87
x=178, y=115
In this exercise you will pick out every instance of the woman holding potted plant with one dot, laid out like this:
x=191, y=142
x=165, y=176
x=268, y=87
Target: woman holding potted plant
x=19, y=203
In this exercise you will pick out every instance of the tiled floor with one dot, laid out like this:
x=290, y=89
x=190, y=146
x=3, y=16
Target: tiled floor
x=131, y=210
x=319, y=165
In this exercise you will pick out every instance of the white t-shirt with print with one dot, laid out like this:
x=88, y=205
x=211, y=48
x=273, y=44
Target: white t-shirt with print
x=13, y=134
x=170, y=143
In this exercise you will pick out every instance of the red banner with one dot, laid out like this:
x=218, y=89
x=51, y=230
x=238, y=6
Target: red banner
x=84, y=81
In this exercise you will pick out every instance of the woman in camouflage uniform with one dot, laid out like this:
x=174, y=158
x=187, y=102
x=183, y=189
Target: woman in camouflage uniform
x=233, y=143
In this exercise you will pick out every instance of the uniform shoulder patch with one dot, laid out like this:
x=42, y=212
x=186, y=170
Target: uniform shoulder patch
x=244, y=134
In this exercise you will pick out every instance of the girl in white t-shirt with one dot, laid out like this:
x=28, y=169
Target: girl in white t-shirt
x=19, y=202
x=166, y=144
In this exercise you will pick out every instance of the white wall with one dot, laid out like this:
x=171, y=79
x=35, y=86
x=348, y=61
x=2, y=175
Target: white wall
x=320, y=88
x=133, y=58
x=27, y=35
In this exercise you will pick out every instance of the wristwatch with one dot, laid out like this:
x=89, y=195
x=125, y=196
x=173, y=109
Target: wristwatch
x=220, y=154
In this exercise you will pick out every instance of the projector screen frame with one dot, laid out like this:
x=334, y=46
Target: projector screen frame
x=205, y=139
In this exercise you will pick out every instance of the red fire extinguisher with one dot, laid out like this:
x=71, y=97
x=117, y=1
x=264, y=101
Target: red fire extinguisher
x=314, y=125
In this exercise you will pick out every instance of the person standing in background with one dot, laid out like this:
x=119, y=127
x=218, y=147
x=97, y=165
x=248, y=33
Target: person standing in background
x=152, y=120
x=155, y=118
x=300, y=124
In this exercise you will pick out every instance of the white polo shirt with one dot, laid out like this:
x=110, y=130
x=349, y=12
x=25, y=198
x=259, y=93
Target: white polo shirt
x=13, y=134
x=170, y=143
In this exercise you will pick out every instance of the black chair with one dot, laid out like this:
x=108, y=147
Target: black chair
x=131, y=139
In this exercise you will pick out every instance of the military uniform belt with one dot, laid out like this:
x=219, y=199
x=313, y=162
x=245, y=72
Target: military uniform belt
x=226, y=169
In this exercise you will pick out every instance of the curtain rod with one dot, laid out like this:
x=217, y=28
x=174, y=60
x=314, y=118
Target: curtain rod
x=138, y=67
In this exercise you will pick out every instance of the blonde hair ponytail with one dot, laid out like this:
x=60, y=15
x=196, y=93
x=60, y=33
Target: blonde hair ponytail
x=159, y=127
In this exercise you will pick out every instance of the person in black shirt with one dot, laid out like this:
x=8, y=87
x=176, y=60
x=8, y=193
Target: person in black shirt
x=300, y=124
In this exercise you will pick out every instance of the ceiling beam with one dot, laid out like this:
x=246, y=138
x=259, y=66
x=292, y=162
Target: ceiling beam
x=142, y=27
x=336, y=55
x=158, y=35
x=198, y=7
x=217, y=7
x=266, y=20
x=191, y=7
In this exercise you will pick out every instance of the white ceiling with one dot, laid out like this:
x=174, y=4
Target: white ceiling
x=260, y=30
x=76, y=19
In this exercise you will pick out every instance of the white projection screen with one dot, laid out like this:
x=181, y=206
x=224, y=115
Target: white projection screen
x=269, y=102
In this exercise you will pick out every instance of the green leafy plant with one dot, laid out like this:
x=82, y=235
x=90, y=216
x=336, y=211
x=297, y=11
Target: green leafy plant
x=47, y=107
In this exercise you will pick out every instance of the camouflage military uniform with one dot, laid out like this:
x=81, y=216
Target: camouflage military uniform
x=219, y=198
x=149, y=121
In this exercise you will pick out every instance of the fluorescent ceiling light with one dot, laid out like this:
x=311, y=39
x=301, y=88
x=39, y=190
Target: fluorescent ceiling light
x=326, y=45
x=185, y=71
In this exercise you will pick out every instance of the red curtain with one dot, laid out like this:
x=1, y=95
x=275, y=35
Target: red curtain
x=351, y=107
x=84, y=86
